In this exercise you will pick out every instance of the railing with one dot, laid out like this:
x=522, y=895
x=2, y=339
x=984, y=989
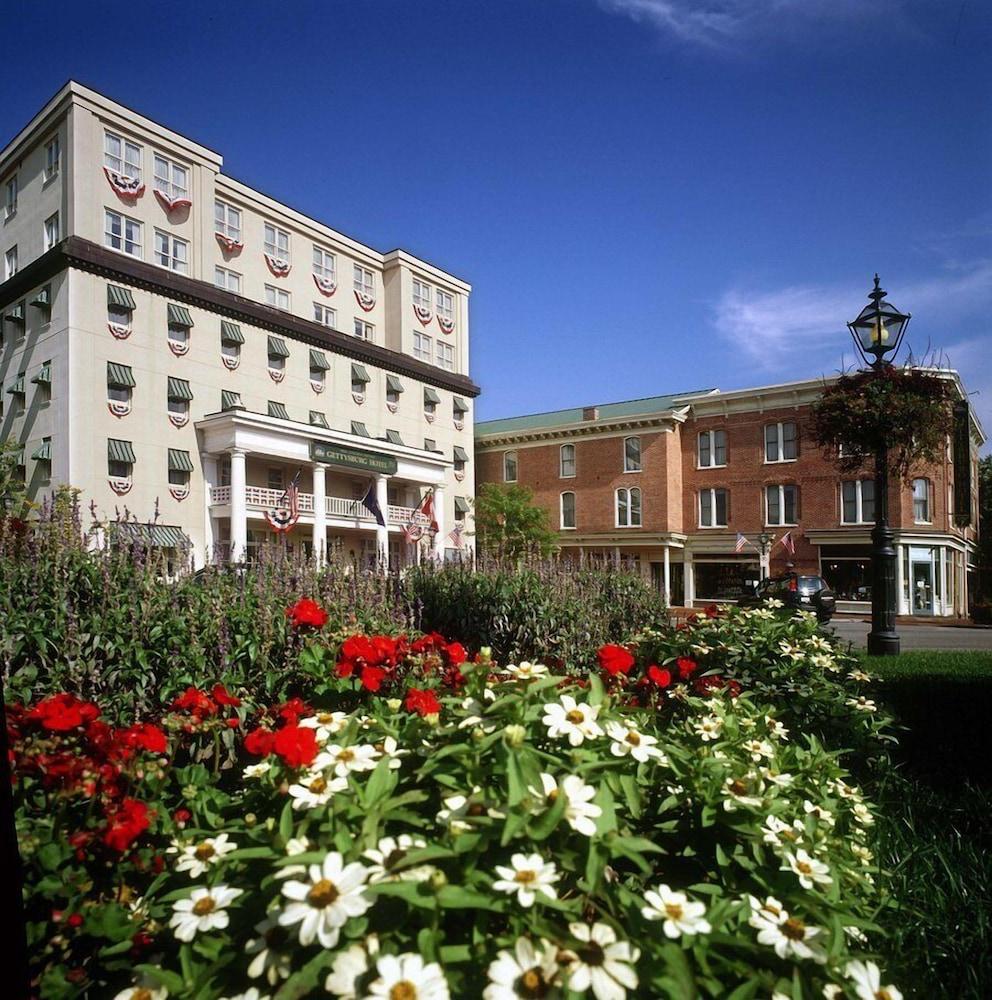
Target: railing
x=260, y=497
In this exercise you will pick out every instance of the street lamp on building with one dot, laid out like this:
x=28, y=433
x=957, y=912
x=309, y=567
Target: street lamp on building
x=764, y=547
x=877, y=333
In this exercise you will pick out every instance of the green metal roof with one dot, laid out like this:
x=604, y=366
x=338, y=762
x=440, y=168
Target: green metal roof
x=573, y=415
x=166, y=536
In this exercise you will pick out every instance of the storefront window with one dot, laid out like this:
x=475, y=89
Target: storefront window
x=723, y=581
x=849, y=579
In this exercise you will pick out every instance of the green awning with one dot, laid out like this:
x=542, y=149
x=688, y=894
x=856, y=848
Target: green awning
x=117, y=296
x=43, y=300
x=430, y=444
x=278, y=410
x=230, y=333
x=359, y=429
x=179, y=461
x=318, y=419
x=393, y=383
x=179, y=316
x=179, y=389
x=461, y=455
x=120, y=451
x=430, y=396
x=44, y=452
x=461, y=505
x=459, y=404
x=319, y=360
x=393, y=437
x=44, y=376
x=359, y=374
x=229, y=400
x=17, y=386
x=120, y=375
x=278, y=348
x=16, y=314
x=161, y=536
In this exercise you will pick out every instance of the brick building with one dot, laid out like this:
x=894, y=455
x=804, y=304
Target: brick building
x=670, y=483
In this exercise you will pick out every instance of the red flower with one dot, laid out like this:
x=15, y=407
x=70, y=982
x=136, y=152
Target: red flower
x=358, y=650
x=259, y=742
x=145, y=736
x=659, y=676
x=290, y=711
x=196, y=702
x=686, y=667
x=614, y=659
x=296, y=745
x=422, y=702
x=62, y=712
x=75, y=920
x=126, y=824
x=307, y=612
x=182, y=816
x=387, y=650
x=427, y=643
x=455, y=654
x=372, y=678
x=220, y=694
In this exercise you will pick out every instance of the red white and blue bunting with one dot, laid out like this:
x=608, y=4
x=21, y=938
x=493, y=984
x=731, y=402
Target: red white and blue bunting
x=229, y=245
x=172, y=204
x=326, y=286
x=120, y=331
x=279, y=266
x=286, y=512
x=129, y=188
x=447, y=325
x=422, y=521
x=423, y=313
x=365, y=300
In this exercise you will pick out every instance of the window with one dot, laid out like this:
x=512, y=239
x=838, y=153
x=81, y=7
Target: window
x=52, y=157
x=122, y=233
x=172, y=179
x=277, y=297
x=422, y=346
x=319, y=366
x=51, y=231
x=566, y=461
x=430, y=444
x=274, y=480
x=713, y=508
x=461, y=509
x=171, y=252
x=431, y=400
x=324, y=315
x=632, y=454
x=121, y=156
x=446, y=356
x=364, y=283
x=363, y=330
x=421, y=295
x=781, y=505
x=278, y=352
x=120, y=382
x=921, y=501
x=180, y=324
x=230, y=352
x=120, y=459
x=180, y=467
x=120, y=306
x=781, y=443
x=179, y=394
x=10, y=263
x=712, y=449
x=445, y=306
x=567, y=510
x=10, y=197
x=509, y=467
x=276, y=242
x=393, y=389
x=858, y=501
x=629, y=508
x=460, y=459
x=227, y=221
x=227, y=279
x=359, y=380
x=324, y=264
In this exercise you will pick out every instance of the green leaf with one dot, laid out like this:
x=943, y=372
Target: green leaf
x=382, y=782
x=544, y=825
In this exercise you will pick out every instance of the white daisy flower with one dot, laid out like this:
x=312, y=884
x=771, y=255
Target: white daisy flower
x=204, y=910
x=862, y=814
x=862, y=853
x=256, y=770
x=831, y=991
x=349, y=967
x=758, y=750
x=825, y=662
x=249, y=994
x=144, y=988
x=197, y=858
x=524, y=973
x=680, y=915
x=271, y=959
x=773, y=602
x=862, y=676
x=297, y=845
x=322, y=905
x=708, y=727
x=821, y=814
x=408, y=977
x=575, y=720
x=476, y=711
x=628, y=741
x=818, y=643
x=794, y=653
x=789, y=936
x=580, y=811
x=843, y=790
x=809, y=870
x=776, y=729
x=601, y=962
x=701, y=649
x=388, y=747
x=344, y=760
x=741, y=792
x=314, y=790
x=862, y=704
x=389, y=853
x=460, y=809
x=867, y=979
x=781, y=779
x=326, y=724
x=528, y=876
x=525, y=671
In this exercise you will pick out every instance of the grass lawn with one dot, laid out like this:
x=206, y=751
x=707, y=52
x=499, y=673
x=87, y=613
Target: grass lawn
x=949, y=666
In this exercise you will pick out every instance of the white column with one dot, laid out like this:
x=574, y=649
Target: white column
x=668, y=576
x=239, y=510
x=689, y=578
x=319, y=514
x=439, y=538
x=209, y=464
x=381, y=533
x=901, y=608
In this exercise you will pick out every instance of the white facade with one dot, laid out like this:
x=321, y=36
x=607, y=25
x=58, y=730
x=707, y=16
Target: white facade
x=200, y=340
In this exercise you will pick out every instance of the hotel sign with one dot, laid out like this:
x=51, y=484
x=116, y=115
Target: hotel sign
x=352, y=458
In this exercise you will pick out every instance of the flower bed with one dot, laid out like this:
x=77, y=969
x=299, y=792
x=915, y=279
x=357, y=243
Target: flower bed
x=663, y=820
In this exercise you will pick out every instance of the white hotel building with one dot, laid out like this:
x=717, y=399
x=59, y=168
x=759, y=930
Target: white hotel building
x=172, y=338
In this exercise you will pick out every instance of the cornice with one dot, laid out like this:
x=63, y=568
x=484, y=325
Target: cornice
x=664, y=421
x=75, y=252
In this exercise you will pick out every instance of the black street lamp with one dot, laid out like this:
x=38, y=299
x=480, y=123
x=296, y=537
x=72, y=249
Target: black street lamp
x=878, y=332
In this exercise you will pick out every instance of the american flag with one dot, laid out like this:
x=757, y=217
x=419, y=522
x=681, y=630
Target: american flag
x=788, y=544
x=741, y=542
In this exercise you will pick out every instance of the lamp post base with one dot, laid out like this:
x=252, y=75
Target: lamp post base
x=883, y=644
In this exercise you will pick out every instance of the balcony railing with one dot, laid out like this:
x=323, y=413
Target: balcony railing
x=262, y=498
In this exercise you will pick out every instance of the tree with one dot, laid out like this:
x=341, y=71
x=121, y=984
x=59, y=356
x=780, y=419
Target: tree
x=508, y=522
x=13, y=495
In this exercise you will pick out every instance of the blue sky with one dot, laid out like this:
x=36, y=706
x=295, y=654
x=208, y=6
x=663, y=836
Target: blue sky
x=647, y=195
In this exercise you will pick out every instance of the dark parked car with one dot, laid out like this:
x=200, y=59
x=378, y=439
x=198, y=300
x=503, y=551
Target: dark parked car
x=802, y=593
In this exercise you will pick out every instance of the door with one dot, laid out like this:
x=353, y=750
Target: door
x=921, y=587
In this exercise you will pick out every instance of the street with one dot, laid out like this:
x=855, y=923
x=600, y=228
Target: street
x=917, y=636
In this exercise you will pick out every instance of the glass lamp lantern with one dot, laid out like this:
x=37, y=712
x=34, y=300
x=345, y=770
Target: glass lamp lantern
x=878, y=329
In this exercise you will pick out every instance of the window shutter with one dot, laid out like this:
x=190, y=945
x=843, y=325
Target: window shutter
x=393, y=383
x=230, y=400
x=393, y=437
x=278, y=410
x=120, y=375
x=178, y=388
x=726, y=494
x=359, y=429
x=317, y=419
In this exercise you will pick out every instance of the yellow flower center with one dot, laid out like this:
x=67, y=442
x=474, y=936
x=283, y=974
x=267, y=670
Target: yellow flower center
x=204, y=906
x=324, y=718
x=790, y=834
x=794, y=929
x=525, y=876
x=738, y=787
x=634, y=739
x=532, y=985
x=575, y=716
x=204, y=851
x=804, y=868
x=403, y=990
x=141, y=994
x=346, y=756
x=323, y=893
x=674, y=910
x=318, y=785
